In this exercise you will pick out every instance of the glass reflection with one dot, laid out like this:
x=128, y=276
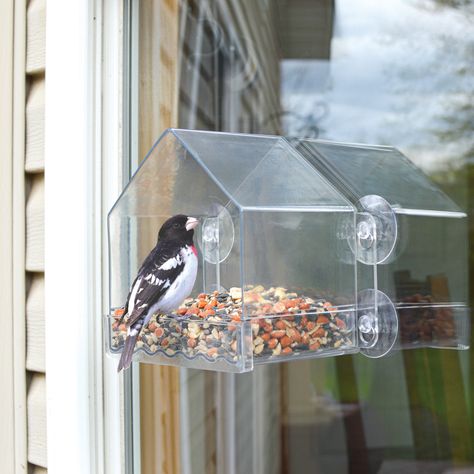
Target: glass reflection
x=398, y=72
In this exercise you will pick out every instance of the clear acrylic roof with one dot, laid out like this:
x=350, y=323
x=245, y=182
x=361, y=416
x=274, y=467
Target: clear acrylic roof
x=259, y=172
x=384, y=171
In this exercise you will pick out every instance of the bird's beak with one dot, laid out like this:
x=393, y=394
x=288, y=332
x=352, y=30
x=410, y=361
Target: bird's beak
x=191, y=223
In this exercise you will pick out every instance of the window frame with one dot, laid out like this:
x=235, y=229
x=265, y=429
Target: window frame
x=83, y=151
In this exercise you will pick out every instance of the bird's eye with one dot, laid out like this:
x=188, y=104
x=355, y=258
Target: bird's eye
x=175, y=225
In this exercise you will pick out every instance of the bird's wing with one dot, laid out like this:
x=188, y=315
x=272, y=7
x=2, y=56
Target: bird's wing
x=125, y=306
x=143, y=266
x=156, y=275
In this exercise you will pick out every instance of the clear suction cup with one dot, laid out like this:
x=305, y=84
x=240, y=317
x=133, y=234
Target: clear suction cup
x=373, y=236
x=376, y=231
x=377, y=323
x=217, y=235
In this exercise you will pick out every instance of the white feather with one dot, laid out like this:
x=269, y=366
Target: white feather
x=181, y=288
x=171, y=263
x=131, y=301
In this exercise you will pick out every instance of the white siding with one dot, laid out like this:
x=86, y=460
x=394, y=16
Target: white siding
x=37, y=470
x=35, y=324
x=36, y=405
x=34, y=161
x=36, y=29
x=35, y=225
x=34, y=266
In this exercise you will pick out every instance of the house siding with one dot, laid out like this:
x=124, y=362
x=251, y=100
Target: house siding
x=34, y=265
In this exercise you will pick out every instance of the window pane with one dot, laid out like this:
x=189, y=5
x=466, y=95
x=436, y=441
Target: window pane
x=399, y=73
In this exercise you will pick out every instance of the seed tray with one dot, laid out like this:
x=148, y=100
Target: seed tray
x=425, y=323
x=272, y=325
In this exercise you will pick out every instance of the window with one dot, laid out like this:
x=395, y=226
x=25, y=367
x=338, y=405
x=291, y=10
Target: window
x=398, y=74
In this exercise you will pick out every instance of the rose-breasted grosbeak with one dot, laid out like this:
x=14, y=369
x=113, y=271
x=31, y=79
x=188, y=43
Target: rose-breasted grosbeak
x=164, y=281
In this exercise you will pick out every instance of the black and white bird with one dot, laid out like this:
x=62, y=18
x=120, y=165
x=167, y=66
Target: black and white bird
x=165, y=279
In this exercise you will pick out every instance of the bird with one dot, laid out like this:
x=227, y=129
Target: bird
x=164, y=280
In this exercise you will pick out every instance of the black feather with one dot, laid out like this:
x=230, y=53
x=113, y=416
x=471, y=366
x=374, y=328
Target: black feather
x=127, y=353
x=149, y=293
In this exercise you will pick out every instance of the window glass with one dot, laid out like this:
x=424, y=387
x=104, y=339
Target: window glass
x=398, y=73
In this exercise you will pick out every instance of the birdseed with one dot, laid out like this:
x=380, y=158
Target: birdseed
x=274, y=323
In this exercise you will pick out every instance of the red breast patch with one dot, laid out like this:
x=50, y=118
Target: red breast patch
x=193, y=248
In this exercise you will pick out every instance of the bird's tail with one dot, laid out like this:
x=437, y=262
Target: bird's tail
x=127, y=352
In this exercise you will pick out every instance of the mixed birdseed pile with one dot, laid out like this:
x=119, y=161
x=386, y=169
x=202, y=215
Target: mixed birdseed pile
x=281, y=324
x=422, y=322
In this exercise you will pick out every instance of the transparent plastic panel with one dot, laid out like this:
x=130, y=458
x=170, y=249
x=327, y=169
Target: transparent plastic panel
x=414, y=252
x=169, y=182
x=212, y=344
x=261, y=171
x=229, y=157
x=299, y=295
x=206, y=330
x=364, y=170
x=283, y=180
x=427, y=281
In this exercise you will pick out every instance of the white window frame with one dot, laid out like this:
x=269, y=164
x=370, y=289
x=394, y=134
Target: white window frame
x=83, y=150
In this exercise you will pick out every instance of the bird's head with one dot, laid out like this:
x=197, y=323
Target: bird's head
x=179, y=227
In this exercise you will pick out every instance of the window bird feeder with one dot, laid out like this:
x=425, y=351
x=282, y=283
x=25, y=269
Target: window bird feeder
x=307, y=248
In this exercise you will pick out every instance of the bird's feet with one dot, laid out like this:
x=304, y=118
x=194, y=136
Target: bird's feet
x=179, y=317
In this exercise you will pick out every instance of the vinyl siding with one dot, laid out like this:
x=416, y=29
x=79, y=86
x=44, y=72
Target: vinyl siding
x=34, y=160
x=34, y=267
x=36, y=407
x=35, y=324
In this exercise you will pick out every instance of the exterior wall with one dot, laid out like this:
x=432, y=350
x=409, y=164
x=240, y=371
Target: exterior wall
x=34, y=175
x=23, y=435
x=7, y=366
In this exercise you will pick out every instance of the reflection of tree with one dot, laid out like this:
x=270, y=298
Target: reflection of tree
x=298, y=125
x=457, y=120
x=453, y=3
x=455, y=125
x=458, y=177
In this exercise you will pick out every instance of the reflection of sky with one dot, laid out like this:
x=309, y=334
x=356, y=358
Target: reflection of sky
x=398, y=70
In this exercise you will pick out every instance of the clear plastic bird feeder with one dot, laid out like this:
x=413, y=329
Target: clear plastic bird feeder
x=306, y=249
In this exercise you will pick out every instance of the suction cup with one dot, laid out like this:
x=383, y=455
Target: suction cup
x=375, y=234
x=377, y=323
x=376, y=226
x=217, y=235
